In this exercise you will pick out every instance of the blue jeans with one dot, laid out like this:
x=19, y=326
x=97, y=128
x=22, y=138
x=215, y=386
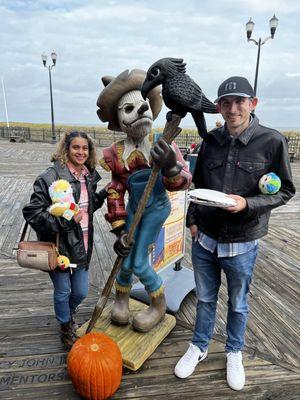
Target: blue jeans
x=69, y=291
x=207, y=271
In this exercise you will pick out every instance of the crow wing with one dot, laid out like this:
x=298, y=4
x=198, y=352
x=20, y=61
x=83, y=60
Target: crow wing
x=181, y=91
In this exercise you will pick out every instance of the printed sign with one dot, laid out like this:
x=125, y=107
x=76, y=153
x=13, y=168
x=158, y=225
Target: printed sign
x=170, y=244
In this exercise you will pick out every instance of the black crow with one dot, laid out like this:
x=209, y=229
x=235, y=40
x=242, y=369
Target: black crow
x=180, y=93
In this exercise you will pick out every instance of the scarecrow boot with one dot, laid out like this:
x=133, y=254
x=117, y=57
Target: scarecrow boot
x=145, y=320
x=68, y=335
x=120, y=309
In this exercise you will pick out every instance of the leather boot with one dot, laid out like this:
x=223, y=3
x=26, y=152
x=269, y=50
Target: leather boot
x=147, y=319
x=75, y=326
x=68, y=335
x=120, y=309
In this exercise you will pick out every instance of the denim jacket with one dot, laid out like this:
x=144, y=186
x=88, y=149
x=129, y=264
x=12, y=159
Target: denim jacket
x=234, y=166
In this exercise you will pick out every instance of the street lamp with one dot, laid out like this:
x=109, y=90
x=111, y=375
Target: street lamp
x=249, y=28
x=49, y=67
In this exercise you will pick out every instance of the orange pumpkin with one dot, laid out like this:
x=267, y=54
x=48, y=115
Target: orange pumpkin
x=95, y=366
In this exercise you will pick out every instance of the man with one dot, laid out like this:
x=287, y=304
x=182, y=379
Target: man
x=232, y=160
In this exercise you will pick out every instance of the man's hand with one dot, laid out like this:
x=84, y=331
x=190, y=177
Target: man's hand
x=194, y=231
x=121, y=246
x=241, y=203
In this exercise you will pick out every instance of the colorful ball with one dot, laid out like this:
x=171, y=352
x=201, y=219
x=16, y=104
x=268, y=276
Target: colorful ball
x=269, y=183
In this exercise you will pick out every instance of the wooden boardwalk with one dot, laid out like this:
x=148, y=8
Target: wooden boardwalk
x=33, y=361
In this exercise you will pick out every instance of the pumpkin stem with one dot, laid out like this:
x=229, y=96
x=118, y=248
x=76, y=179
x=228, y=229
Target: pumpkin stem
x=94, y=347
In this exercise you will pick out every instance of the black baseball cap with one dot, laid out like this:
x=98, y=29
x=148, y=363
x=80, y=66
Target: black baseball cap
x=235, y=86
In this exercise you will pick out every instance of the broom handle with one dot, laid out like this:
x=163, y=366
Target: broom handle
x=171, y=130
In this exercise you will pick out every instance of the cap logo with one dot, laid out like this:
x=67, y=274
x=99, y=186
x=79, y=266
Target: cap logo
x=230, y=86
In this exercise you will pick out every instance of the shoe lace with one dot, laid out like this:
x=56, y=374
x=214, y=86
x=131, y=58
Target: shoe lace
x=234, y=361
x=190, y=354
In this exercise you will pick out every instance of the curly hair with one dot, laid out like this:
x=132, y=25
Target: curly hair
x=61, y=153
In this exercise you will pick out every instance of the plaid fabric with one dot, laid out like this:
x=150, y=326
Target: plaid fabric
x=83, y=202
x=225, y=249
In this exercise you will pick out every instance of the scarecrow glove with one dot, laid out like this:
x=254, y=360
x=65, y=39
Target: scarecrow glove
x=121, y=246
x=165, y=158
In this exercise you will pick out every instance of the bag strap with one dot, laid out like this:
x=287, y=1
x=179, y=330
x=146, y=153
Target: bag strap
x=25, y=227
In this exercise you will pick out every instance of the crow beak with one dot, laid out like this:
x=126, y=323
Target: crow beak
x=144, y=92
x=146, y=87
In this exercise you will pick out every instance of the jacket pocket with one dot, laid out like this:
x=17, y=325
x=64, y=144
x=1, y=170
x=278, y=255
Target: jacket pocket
x=212, y=164
x=213, y=174
x=251, y=166
x=248, y=174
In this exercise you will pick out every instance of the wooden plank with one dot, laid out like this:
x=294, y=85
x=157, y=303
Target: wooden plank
x=30, y=374
x=135, y=347
x=32, y=357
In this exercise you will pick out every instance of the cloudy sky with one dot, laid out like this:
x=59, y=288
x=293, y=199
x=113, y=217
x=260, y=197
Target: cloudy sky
x=94, y=38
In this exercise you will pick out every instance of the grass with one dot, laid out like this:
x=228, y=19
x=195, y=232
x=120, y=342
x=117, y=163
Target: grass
x=103, y=129
x=48, y=127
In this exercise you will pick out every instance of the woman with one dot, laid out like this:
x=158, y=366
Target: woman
x=74, y=161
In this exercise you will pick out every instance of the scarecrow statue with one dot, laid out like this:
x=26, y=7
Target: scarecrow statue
x=129, y=161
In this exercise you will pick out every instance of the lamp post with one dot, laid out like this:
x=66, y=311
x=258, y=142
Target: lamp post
x=249, y=28
x=49, y=67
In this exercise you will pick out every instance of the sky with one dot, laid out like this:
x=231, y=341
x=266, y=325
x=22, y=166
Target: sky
x=105, y=37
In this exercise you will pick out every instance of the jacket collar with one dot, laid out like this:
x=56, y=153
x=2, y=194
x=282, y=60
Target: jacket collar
x=223, y=136
x=64, y=173
x=84, y=170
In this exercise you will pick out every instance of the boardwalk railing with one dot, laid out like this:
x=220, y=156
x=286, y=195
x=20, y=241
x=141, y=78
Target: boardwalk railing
x=184, y=141
x=101, y=138
x=104, y=137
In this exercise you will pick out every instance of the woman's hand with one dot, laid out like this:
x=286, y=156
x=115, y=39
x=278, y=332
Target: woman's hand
x=78, y=217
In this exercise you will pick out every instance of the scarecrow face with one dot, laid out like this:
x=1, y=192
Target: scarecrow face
x=135, y=115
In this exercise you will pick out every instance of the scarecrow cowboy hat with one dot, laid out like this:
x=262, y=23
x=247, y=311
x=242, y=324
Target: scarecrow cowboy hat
x=115, y=88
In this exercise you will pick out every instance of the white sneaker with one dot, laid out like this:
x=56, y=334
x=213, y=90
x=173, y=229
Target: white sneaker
x=187, y=364
x=235, y=371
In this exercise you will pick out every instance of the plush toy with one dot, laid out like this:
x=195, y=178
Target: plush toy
x=64, y=205
x=63, y=262
x=269, y=183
